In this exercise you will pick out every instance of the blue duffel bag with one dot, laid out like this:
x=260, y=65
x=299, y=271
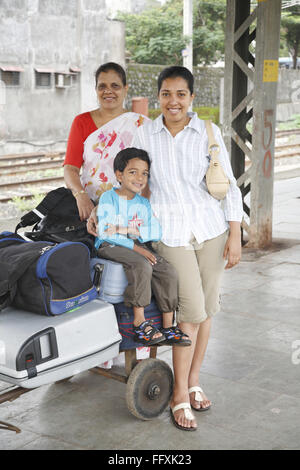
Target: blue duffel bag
x=44, y=277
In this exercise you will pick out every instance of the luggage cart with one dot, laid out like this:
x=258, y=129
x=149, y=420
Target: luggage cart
x=149, y=382
x=149, y=385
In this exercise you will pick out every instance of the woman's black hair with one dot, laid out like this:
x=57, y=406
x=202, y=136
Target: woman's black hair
x=174, y=72
x=122, y=158
x=111, y=66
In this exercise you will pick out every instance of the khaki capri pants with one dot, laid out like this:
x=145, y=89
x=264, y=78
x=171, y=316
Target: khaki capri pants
x=199, y=267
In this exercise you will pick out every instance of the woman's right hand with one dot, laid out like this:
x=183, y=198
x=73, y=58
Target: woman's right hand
x=92, y=222
x=146, y=253
x=85, y=205
x=72, y=180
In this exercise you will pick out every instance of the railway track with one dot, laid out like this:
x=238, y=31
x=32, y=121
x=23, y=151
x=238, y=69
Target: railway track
x=14, y=169
x=11, y=165
x=20, y=173
x=9, y=168
x=287, y=132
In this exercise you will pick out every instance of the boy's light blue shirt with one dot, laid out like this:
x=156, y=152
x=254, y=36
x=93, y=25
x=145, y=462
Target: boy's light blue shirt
x=137, y=212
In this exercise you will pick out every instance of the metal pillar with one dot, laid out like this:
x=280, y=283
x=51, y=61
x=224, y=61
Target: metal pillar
x=188, y=31
x=252, y=81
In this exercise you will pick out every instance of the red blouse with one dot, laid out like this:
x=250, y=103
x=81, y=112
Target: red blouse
x=82, y=126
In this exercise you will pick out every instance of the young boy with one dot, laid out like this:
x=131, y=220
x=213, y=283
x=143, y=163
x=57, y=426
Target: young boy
x=125, y=224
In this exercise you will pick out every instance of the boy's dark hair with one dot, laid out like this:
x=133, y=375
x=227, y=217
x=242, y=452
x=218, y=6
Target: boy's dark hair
x=111, y=66
x=123, y=157
x=174, y=72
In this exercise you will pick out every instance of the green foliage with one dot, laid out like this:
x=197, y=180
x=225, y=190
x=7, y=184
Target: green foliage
x=294, y=123
x=209, y=31
x=154, y=113
x=203, y=112
x=28, y=204
x=290, y=23
x=156, y=35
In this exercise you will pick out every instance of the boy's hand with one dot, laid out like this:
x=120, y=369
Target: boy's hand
x=111, y=229
x=133, y=231
x=147, y=254
x=92, y=223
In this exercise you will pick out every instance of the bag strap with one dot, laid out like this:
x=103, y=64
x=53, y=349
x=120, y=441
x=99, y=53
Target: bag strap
x=50, y=201
x=213, y=146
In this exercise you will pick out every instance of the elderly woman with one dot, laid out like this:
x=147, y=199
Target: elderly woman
x=97, y=136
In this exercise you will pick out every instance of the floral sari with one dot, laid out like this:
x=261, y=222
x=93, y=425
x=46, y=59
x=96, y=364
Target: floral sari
x=100, y=149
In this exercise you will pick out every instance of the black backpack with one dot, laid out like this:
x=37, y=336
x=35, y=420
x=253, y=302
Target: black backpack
x=44, y=277
x=56, y=219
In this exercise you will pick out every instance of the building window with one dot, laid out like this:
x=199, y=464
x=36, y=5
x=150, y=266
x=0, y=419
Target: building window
x=10, y=75
x=74, y=80
x=43, y=78
x=75, y=71
x=62, y=80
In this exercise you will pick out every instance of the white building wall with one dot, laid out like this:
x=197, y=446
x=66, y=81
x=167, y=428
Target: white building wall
x=54, y=35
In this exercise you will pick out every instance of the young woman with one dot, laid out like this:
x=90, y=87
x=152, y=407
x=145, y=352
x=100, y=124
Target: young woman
x=198, y=233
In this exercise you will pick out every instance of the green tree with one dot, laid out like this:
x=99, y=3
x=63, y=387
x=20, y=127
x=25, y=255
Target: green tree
x=156, y=35
x=290, y=22
x=209, y=31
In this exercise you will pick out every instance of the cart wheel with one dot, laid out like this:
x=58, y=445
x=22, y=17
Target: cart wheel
x=149, y=388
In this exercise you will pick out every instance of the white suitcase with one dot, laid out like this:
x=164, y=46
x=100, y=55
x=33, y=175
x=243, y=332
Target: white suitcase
x=109, y=278
x=37, y=350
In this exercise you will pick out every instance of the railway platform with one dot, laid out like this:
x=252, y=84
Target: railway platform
x=251, y=371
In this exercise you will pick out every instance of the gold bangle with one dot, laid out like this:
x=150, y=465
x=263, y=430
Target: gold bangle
x=79, y=192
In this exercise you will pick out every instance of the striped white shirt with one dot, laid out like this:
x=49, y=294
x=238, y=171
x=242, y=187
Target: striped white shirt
x=179, y=195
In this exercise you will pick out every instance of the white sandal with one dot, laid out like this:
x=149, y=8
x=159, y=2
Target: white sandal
x=187, y=414
x=198, y=397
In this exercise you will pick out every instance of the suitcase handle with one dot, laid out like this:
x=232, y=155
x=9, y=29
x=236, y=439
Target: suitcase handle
x=98, y=268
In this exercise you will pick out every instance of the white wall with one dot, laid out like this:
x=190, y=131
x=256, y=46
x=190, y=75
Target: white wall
x=54, y=34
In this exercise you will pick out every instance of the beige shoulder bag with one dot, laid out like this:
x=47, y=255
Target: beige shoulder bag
x=216, y=179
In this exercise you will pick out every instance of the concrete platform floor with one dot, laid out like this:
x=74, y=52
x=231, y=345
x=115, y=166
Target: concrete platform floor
x=251, y=371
